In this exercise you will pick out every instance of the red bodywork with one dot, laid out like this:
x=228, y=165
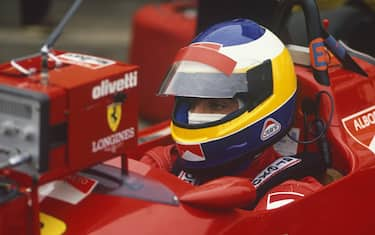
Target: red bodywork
x=71, y=102
x=344, y=206
x=80, y=93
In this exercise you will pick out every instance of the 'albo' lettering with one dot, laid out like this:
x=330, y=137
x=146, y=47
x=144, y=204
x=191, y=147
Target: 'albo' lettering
x=108, y=87
x=364, y=121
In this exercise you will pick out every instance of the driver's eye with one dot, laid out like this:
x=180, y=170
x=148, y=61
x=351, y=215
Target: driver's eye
x=216, y=105
x=223, y=106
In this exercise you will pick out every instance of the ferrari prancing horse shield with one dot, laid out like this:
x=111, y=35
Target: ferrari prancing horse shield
x=114, y=115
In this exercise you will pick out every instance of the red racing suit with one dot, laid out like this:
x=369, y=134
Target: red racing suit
x=164, y=157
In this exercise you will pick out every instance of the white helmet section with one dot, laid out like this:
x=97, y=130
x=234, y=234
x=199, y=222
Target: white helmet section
x=268, y=46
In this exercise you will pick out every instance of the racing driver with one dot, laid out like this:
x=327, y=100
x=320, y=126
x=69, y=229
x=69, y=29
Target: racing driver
x=235, y=97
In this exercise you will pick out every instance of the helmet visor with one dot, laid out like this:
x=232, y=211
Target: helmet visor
x=209, y=82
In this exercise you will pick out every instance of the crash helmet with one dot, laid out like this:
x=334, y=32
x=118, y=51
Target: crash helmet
x=237, y=59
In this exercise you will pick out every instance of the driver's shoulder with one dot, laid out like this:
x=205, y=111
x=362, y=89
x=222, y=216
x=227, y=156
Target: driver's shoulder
x=287, y=192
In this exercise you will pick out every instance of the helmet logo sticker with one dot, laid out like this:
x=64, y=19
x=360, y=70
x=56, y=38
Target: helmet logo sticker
x=114, y=111
x=192, y=153
x=270, y=128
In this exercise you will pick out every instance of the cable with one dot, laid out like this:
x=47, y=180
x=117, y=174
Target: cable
x=324, y=125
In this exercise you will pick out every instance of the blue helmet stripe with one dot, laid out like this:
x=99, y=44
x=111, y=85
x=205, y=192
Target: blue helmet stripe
x=232, y=147
x=227, y=33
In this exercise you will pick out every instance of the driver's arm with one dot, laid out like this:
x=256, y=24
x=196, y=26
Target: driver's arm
x=161, y=157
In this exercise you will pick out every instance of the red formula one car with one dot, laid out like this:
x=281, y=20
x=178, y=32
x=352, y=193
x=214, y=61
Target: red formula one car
x=69, y=146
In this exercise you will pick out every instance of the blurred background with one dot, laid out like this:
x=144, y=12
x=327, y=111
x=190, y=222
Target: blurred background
x=99, y=27
x=103, y=28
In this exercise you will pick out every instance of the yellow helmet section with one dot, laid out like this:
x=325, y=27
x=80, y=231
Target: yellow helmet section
x=284, y=87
